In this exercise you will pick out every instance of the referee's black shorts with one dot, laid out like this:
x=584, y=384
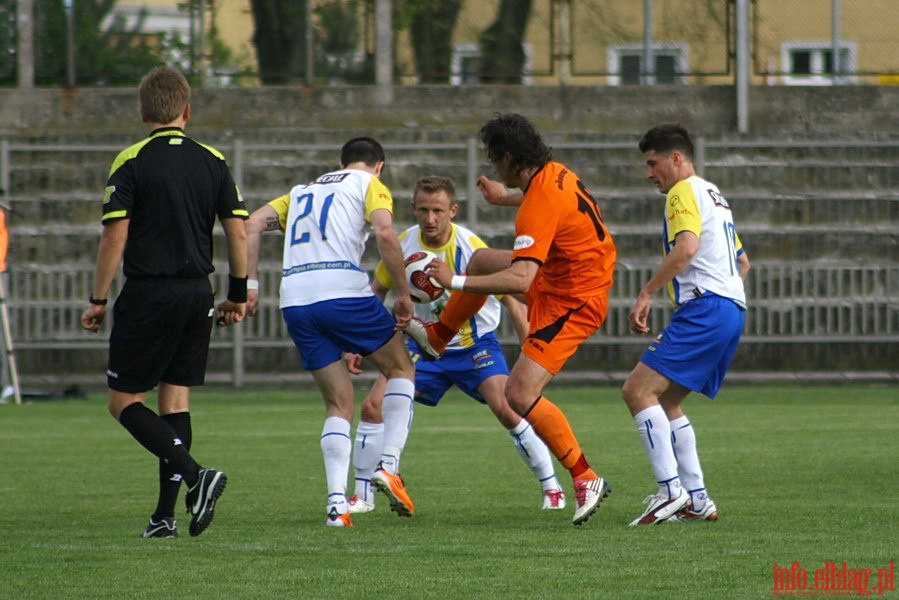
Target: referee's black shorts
x=160, y=333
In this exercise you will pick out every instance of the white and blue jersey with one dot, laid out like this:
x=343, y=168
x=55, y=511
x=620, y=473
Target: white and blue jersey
x=696, y=205
x=326, y=298
x=696, y=348
x=326, y=224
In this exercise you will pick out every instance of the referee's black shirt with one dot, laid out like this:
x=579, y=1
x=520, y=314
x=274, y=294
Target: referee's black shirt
x=171, y=188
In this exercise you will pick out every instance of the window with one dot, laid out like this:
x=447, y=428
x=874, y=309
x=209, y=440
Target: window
x=153, y=20
x=465, y=64
x=669, y=64
x=811, y=63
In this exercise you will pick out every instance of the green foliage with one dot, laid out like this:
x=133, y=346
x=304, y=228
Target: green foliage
x=7, y=40
x=432, y=39
x=799, y=474
x=337, y=35
x=280, y=40
x=116, y=56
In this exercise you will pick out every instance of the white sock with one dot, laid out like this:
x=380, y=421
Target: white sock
x=683, y=440
x=396, y=411
x=336, y=446
x=366, y=453
x=535, y=454
x=655, y=433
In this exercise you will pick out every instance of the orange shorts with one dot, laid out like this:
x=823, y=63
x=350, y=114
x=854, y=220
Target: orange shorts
x=559, y=325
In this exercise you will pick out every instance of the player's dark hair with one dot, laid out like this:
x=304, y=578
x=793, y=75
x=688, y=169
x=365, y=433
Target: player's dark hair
x=362, y=149
x=666, y=138
x=435, y=183
x=511, y=136
x=163, y=94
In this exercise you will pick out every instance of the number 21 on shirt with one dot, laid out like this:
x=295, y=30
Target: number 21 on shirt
x=304, y=223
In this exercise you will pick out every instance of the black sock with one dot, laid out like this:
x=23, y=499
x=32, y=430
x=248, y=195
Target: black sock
x=169, y=480
x=158, y=437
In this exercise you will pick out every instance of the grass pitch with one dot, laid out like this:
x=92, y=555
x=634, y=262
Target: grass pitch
x=800, y=475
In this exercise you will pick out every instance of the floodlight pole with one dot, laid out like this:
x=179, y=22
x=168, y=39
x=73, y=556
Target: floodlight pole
x=742, y=66
x=69, y=7
x=383, y=52
x=648, y=62
x=25, y=43
x=836, y=33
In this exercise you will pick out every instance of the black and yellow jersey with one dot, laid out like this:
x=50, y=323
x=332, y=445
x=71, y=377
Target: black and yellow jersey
x=171, y=188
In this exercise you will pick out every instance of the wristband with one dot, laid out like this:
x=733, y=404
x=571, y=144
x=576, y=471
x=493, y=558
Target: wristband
x=97, y=301
x=252, y=284
x=237, y=289
x=458, y=282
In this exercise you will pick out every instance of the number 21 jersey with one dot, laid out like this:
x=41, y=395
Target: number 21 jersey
x=326, y=224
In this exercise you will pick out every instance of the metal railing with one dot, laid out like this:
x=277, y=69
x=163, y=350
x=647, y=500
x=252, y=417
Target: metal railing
x=820, y=219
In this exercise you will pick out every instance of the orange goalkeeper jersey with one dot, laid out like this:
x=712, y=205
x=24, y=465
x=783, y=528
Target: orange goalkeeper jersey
x=559, y=225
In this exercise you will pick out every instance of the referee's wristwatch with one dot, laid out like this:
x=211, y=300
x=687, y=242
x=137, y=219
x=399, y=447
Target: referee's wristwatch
x=97, y=301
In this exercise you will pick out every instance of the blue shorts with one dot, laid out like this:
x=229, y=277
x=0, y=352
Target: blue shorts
x=323, y=331
x=466, y=369
x=696, y=347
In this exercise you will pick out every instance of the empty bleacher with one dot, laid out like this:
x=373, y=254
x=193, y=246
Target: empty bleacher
x=820, y=219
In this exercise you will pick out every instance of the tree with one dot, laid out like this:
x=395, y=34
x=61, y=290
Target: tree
x=112, y=56
x=280, y=40
x=337, y=37
x=8, y=40
x=502, y=51
x=115, y=55
x=431, y=31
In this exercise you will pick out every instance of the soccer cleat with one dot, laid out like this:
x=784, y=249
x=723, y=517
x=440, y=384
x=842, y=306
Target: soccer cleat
x=553, y=499
x=201, y=499
x=395, y=489
x=166, y=527
x=708, y=513
x=334, y=519
x=660, y=508
x=429, y=343
x=358, y=505
x=588, y=493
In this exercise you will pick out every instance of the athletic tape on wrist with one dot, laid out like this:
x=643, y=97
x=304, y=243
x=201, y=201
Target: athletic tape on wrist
x=458, y=282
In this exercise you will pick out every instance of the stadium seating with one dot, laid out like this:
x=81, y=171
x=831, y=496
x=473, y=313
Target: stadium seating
x=818, y=215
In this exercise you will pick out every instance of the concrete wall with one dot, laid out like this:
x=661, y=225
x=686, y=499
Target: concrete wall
x=707, y=110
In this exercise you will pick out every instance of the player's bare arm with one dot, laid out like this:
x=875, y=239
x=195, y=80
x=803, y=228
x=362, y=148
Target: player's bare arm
x=392, y=254
x=109, y=256
x=685, y=247
x=495, y=192
x=515, y=279
x=743, y=263
x=518, y=312
x=229, y=311
x=264, y=218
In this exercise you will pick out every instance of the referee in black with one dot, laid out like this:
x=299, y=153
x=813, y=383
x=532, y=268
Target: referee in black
x=159, y=209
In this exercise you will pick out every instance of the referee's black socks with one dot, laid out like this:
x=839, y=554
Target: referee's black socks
x=157, y=436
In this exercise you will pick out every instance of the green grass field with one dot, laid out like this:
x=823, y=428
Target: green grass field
x=799, y=474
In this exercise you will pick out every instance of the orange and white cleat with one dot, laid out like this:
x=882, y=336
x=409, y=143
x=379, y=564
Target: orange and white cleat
x=394, y=488
x=335, y=519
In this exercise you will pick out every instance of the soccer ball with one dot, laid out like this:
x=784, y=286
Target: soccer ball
x=421, y=287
